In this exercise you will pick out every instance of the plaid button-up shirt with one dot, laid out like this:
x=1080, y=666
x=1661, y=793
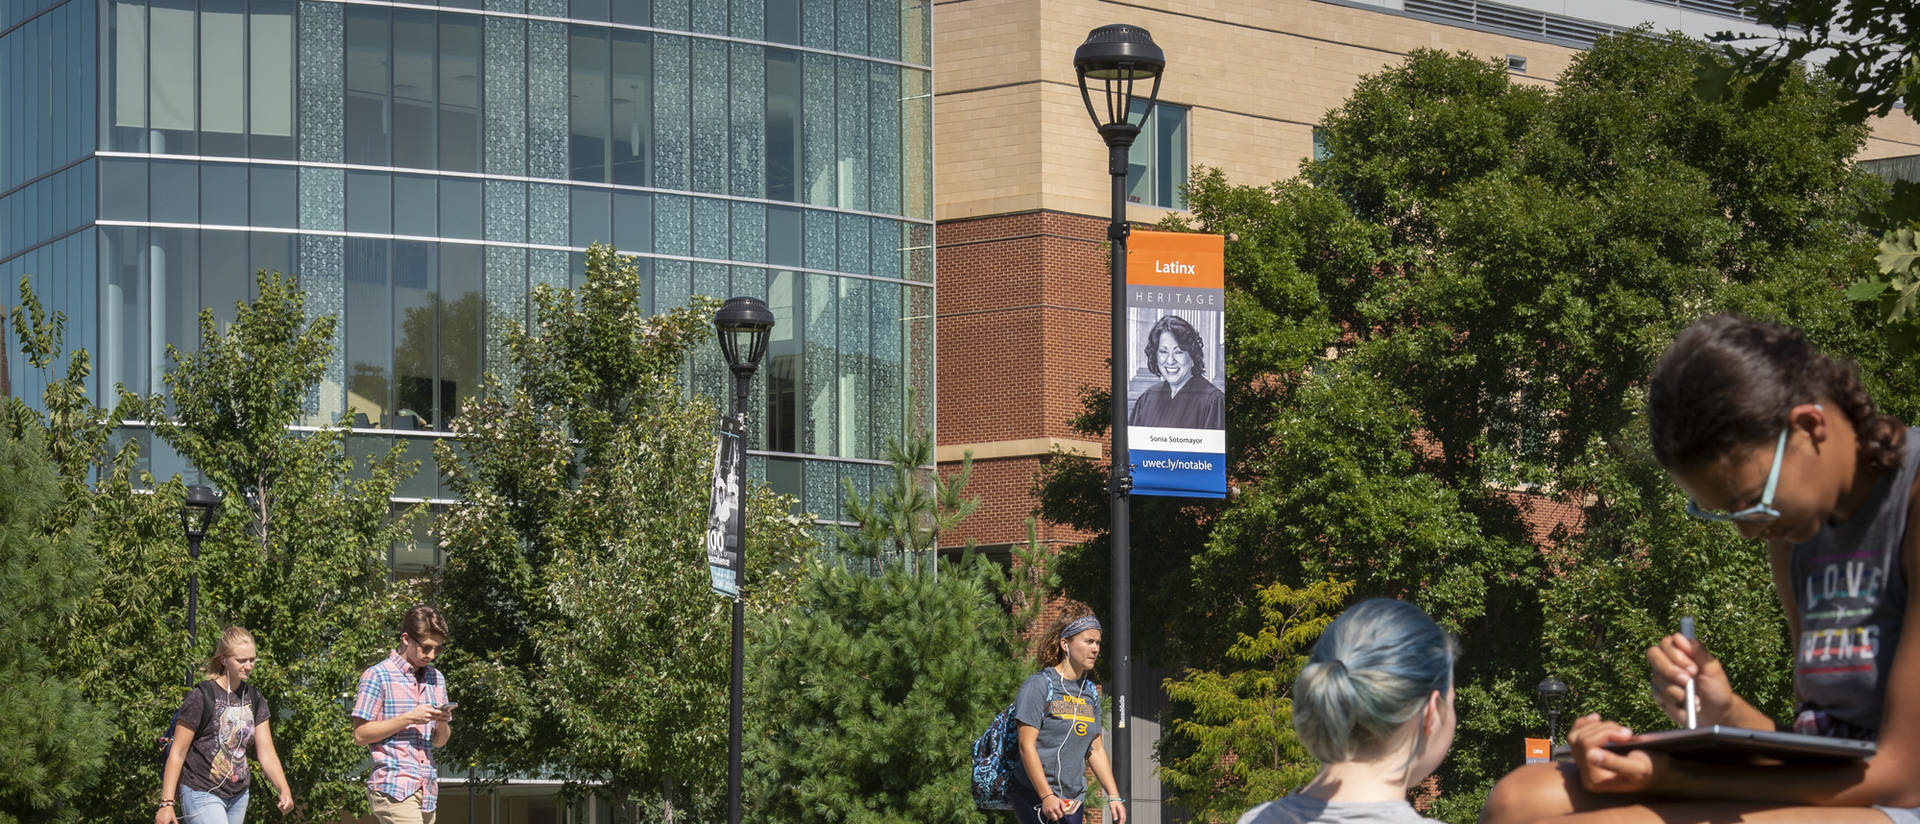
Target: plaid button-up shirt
x=403, y=762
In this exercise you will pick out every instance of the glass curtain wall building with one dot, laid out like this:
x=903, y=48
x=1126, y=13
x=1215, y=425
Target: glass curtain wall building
x=421, y=167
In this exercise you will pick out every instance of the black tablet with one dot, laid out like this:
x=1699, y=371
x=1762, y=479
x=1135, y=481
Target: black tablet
x=1738, y=744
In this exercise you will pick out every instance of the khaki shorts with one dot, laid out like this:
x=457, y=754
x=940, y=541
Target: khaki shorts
x=388, y=811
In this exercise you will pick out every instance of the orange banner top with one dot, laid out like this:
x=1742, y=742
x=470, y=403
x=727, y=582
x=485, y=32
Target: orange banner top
x=1539, y=750
x=1176, y=259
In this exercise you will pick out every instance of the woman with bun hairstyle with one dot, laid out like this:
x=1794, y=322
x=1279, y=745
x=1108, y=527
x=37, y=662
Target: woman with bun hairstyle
x=1058, y=726
x=1766, y=434
x=205, y=780
x=1374, y=705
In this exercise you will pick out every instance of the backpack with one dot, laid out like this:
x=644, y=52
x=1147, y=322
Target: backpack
x=996, y=755
x=163, y=746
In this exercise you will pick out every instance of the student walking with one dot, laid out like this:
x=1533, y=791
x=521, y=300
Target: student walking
x=1375, y=705
x=401, y=714
x=1767, y=434
x=205, y=779
x=1059, y=733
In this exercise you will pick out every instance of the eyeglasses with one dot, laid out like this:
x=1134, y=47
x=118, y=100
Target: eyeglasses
x=1760, y=513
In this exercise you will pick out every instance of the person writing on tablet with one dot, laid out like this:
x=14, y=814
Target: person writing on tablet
x=1764, y=432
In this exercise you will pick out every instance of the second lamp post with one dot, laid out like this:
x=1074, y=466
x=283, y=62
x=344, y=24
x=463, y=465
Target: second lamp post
x=743, y=324
x=1117, y=56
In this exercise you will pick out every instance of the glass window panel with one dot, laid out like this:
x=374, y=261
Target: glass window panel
x=883, y=23
x=672, y=284
x=823, y=490
x=783, y=236
x=782, y=20
x=274, y=197
x=506, y=210
x=852, y=146
x=854, y=244
x=322, y=266
x=224, y=278
x=588, y=117
x=474, y=336
x=176, y=267
x=818, y=130
x=672, y=115
x=916, y=32
x=888, y=366
x=784, y=476
x=459, y=93
x=123, y=189
x=174, y=196
x=632, y=106
x=633, y=221
x=460, y=209
x=123, y=307
x=368, y=328
x=884, y=123
x=416, y=554
x=415, y=205
x=747, y=19
x=323, y=198
x=748, y=114
x=709, y=16
x=368, y=77
x=856, y=407
x=322, y=97
x=270, y=252
x=783, y=124
x=506, y=96
x=783, y=364
x=672, y=14
x=821, y=325
x=547, y=222
x=821, y=240
x=673, y=224
x=270, y=92
x=816, y=24
x=592, y=217
x=1170, y=156
x=633, y=13
x=885, y=257
x=853, y=26
x=129, y=89
x=461, y=330
x=223, y=72
x=587, y=9
x=223, y=195
x=749, y=232
x=415, y=310
x=171, y=64
x=916, y=143
x=710, y=228
x=369, y=202
x=413, y=88
x=547, y=79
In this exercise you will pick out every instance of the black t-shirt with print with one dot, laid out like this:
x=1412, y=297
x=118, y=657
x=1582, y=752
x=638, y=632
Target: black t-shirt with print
x=222, y=724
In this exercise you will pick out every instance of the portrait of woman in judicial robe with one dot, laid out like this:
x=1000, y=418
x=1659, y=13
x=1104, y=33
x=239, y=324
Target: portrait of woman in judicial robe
x=1184, y=398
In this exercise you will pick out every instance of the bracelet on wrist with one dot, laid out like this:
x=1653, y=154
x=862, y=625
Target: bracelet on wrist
x=166, y=802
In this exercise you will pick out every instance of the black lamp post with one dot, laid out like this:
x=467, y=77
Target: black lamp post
x=1553, y=694
x=743, y=324
x=1117, y=56
x=196, y=514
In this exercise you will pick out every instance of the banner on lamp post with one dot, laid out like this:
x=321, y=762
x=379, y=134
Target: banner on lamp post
x=724, y=556
x=1176, y=351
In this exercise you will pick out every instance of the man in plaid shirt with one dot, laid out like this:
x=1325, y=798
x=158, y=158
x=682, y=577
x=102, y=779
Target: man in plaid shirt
x=401, y=715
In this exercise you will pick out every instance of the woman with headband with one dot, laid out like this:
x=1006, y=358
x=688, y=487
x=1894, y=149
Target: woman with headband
x=1058, y=715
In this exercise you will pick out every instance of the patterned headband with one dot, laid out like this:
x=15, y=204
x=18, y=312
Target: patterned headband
x=1080, y=625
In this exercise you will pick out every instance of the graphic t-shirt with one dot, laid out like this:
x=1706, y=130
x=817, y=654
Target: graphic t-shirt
x=1067, y=716
x=223, y=725
x=1851, y=588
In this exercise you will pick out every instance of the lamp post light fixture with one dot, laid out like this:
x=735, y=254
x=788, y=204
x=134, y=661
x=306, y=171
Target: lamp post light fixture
x=1118, y=56
x=1553, y=694
x=744, y=324
x=196, y=514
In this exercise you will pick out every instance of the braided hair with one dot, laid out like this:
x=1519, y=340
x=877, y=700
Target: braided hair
x=1729, y=381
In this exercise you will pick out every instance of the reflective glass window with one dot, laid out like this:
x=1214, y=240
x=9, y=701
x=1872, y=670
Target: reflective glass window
x=224, y=278
x=460, y=209
x=632, y=106
x=415, y=312
x=368, y=76
x=174, y=192
x=123, y=189
x=127, y=93
x=414, y=71
x=633, y=13
x=176, y=286
x=587, y=61
x=124, y=302
x=462, y=331
x=415, y=206
x=783, y=124
x=367, y=329
x=459, y=93
x=270, y=89
x=783, y=364
x=710, y=116
x=591, y=9
x=270, y=252
x=275, y=196
x=223, y=74
x=633, y=221
x=1157, y=162
x=592, y=217
x=369, y=202
x=223, y=194
x=782, y=21
x=817, y=130
x=171, y=63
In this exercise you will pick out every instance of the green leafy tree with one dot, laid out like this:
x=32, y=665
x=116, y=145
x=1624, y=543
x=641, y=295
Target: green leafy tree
x=298, y=553
x=1241, y=748
x=588, y=644
x=52, y=738
x=1871, y=51
x=877, y=685
x=1440, y=335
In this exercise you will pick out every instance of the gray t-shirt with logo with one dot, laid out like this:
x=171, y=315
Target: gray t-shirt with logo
x=1299, y=809
x=1067, y=715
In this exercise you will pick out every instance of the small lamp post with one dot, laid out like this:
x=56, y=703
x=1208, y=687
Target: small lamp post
x=1116, y=56
x=1553, y=694
x=744, y=324
x=196, y=514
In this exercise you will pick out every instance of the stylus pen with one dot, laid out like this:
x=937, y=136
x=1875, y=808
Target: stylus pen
x=1686, y=631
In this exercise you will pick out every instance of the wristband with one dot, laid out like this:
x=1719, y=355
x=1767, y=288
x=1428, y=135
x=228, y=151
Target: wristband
x=166, y=802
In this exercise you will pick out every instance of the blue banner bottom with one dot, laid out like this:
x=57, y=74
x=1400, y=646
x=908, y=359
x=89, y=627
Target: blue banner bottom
x=1179, y=474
